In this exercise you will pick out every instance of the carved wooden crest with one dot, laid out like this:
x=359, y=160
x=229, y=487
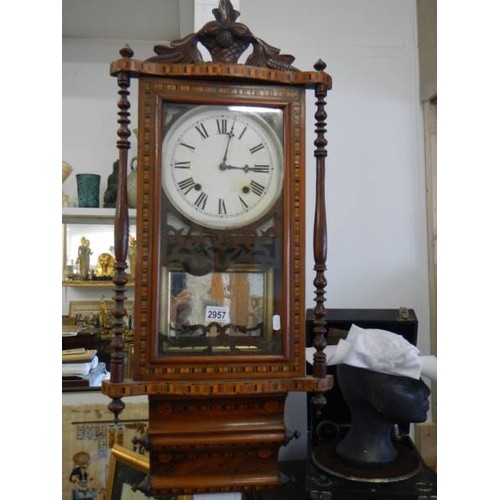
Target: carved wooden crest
x=226, y=40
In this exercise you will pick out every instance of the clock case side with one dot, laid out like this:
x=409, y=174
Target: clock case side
x=153, y=92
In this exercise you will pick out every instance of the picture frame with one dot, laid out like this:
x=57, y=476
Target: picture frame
x=91, y=313
x=88, y=308
x=127, y=469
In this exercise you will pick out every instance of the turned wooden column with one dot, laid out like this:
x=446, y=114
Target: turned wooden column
x=121, y=234
x=320, y=241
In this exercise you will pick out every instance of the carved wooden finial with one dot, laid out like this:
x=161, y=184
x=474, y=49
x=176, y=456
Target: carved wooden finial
x=126, y=52
x=320, y=65
x=116, y=406
x=226, y=12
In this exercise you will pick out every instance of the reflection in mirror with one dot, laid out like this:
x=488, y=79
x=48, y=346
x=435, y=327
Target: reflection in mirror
x=223, y=312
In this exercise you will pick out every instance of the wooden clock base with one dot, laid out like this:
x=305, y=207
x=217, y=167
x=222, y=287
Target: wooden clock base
x=215, y=444
x=216, y=436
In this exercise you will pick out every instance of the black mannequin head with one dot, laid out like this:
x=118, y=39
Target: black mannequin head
x=376, y=402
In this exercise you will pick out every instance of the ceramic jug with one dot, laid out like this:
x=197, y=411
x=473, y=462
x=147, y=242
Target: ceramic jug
x=132, y=184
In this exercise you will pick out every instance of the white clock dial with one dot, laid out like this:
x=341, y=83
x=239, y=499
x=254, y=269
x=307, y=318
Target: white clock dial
x=222, y=166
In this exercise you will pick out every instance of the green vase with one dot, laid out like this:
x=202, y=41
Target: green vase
x=88, y=186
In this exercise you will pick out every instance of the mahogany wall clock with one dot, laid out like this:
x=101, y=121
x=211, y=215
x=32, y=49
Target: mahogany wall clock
x=219, y=282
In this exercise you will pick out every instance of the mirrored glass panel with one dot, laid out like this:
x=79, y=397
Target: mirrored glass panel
x=225, y=312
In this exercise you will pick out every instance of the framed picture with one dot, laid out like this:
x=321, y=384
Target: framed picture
x=127, y=469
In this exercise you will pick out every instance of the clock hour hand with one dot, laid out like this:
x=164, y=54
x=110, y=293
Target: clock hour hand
x=230, y=136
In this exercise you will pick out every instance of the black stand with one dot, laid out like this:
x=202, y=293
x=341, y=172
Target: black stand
x=308, y=481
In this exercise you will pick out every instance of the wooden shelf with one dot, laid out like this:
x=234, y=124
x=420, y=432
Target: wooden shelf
x=92, y=284
x=76, y=215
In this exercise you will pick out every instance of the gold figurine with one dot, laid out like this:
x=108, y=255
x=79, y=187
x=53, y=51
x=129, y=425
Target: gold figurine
x=83, y=260
x=132, y=247
x=105, y=263
x=104, y=313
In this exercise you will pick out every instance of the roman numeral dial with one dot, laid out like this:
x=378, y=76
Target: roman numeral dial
x=222, y=166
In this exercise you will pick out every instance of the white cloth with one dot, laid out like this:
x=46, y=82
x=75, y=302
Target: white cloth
x=377, y=350
x=429, y=366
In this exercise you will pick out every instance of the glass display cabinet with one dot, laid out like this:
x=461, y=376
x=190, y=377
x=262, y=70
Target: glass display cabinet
x=87, y=287
x=96, y=227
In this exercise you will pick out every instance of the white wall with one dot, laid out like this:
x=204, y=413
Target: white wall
x=376, y=175
x=89, y=118
x=89, y=106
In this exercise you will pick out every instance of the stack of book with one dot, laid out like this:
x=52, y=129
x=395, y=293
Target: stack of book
x=81, y=368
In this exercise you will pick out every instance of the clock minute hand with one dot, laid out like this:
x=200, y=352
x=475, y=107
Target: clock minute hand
x=246, y=168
